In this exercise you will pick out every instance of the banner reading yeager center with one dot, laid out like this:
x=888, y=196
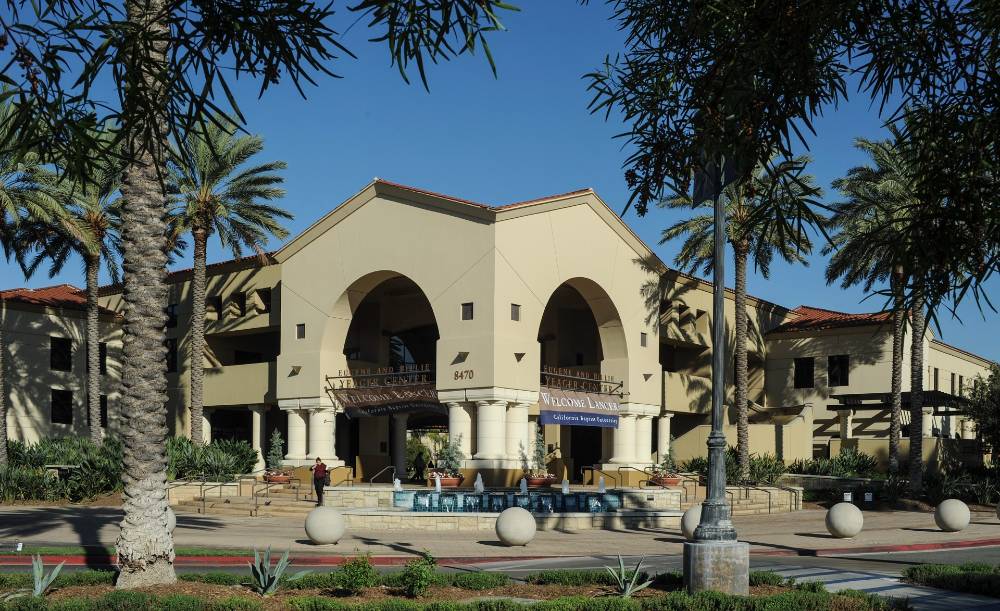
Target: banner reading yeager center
x=568, y=407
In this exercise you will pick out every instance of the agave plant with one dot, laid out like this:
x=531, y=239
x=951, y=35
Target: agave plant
x=42, y=581
x=626, y=582
x=264, y=578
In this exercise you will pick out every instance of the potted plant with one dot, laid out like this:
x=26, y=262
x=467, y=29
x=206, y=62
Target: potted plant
x=665, y=473
x=275, y=473
x=448, y=467
x=538, y=475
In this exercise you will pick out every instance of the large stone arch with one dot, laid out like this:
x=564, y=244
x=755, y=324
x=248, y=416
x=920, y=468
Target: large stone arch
x=610, y=327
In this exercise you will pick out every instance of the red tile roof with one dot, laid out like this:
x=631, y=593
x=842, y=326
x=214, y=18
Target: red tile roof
x=480, y=205
x=64, y=296
x=817, y=319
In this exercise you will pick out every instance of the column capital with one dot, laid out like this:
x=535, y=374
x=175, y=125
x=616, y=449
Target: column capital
x=490, y=402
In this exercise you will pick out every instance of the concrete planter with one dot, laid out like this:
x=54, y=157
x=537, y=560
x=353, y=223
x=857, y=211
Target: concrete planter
x=277, y=478
x=665, y=480
x=539, y=482
x=446, y=482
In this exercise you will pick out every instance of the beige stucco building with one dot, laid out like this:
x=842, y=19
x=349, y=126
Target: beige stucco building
x=405, y=310
x=45, y=363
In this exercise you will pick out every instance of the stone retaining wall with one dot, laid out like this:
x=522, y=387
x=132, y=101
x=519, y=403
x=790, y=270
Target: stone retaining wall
x=469, y=522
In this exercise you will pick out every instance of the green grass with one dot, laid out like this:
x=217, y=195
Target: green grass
x=971, y=577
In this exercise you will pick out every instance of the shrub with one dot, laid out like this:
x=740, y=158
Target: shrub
x=220, y=460
x=479, y=580
x=972, y=577
x=764, y=469
x=766, y=578
x=849, y=463
x=418, y=576
x=99, y=472
x=357, y=574
x=579, y=577
x=215, y=577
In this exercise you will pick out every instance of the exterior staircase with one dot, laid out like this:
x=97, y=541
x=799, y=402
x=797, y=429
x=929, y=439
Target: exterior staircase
x=286, y=500
x=749, y=501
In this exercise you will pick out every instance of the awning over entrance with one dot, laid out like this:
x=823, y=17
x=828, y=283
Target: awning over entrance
x=577, y=398
x=386, y=391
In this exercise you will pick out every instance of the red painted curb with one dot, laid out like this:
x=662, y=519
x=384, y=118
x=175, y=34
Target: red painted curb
x=875, y=549
x=302, y=560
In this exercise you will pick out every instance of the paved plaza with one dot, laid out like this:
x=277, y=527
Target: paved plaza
x=799, y=533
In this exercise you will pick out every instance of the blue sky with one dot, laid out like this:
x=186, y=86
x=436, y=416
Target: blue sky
x=525, y=134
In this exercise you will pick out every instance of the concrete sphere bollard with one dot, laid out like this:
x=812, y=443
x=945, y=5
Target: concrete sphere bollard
x=516, y=526
x=325, y=525
x=844, y=520
x=690, y=521
x=952, y=515
x=171, y=520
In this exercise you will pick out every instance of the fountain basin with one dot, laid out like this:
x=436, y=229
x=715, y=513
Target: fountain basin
x=495, y=501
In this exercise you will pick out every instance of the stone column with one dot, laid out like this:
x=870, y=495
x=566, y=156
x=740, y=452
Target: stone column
x=624, y=440
x=296, y=435
x=257, y=440
x=663, y=436
x=460, y=427
x=206, y=426
x=643, y=439
x=491, y=429
x=927, y=422
x=321, y=424
x=846, y=423
x=397, y=440
x=517, y=432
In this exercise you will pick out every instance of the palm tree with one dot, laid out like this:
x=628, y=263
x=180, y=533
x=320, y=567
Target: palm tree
x=23, y=198
x=769, y=213
x=878, y=198
x=218, y=195
x=89, y=230
x=876, y=246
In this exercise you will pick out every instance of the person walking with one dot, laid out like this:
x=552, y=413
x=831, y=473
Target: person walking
x=419, y=464
x=321, y=477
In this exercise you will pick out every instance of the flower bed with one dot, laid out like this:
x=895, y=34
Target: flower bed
x=358, y=585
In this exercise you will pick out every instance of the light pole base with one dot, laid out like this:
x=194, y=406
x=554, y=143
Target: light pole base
x=723, y=566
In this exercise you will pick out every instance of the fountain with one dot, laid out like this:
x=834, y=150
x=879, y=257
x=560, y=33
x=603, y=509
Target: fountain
x=478, y=486
x=397, y=486
x=524, y=486
x=600, y=485
x=437, y=484
x=565, y=486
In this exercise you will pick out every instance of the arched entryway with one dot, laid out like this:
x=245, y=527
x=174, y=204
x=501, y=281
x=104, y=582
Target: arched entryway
x=584, y=359
x=384, y=387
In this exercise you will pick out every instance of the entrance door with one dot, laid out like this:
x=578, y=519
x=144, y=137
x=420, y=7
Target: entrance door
x=585, y=448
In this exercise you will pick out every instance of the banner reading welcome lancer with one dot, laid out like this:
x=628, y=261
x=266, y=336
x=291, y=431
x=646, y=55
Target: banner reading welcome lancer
x=575, y=408
x=387, y=400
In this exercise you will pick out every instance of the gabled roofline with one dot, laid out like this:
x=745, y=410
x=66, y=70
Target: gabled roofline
x=963, y=354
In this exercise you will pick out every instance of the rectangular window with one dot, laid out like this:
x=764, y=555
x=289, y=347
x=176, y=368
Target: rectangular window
x=642, y=340
x=467, y=311
x=102, y=350
x=213, y=305
x=62, y=406
x=300, y=331
x=171, y=345
x=240, y=299
x=953, y=389
x=838, y=370
x=515, y=312
x=264, y=297
x=60, y=354
x=961, y=386
x=171, y=311
x=104, y=413
x=805, y=372
x=937, y=378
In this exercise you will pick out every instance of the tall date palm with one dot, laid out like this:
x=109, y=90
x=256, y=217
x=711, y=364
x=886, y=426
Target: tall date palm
x=221, y=193
x=771, y=213
x=878, y=197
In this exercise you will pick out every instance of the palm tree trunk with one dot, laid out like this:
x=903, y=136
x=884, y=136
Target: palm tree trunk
x=898, y=319
x=93, y=351
x=145, y=546
x=198, y=336
x=740, y=373
x=917, y=396
x=3, y=383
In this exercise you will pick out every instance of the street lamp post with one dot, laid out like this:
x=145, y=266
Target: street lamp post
x=715, y=560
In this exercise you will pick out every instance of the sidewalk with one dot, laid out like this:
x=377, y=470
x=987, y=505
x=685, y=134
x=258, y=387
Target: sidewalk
x=799, y=533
